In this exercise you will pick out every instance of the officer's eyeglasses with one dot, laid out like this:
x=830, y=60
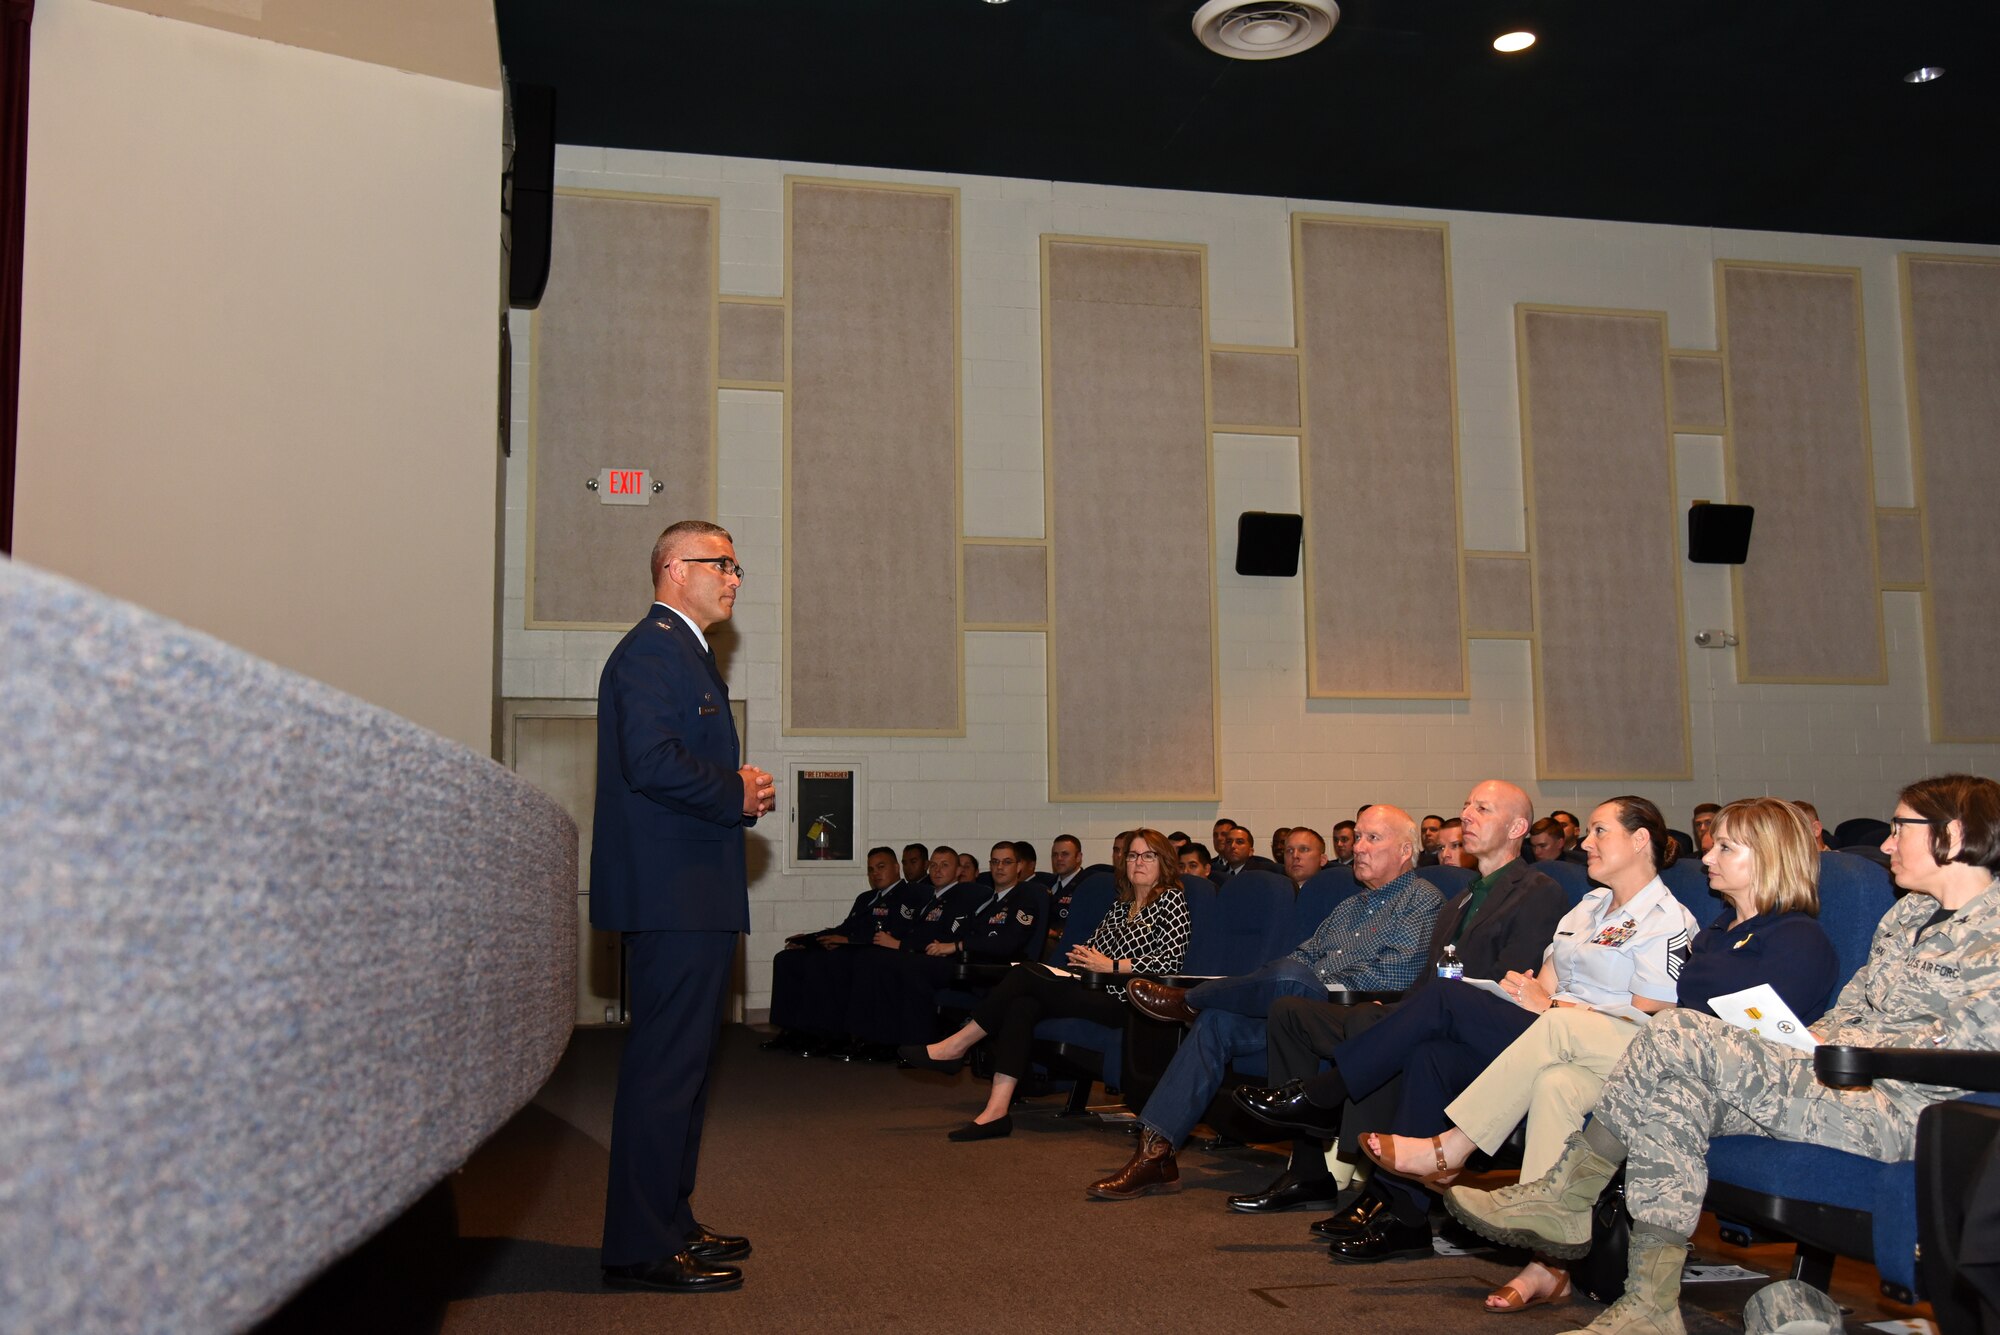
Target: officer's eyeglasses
x=721, y=563
x=1148, y=856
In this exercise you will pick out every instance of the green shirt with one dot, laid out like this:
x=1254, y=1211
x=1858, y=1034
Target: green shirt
x=1476, y=896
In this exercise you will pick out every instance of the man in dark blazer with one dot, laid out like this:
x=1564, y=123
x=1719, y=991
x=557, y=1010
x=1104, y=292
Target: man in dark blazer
x=667, y=870
x=1503, y=921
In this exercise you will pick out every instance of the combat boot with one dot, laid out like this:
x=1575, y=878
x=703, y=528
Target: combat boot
x=1652, y=1301
x=1550, y=1215
x=1152, y=1168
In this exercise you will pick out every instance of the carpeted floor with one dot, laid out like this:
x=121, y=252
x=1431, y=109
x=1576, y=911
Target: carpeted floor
x=865, y=1218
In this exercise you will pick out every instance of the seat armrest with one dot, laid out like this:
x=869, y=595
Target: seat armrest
x=979, y=973
x=1956, y=1068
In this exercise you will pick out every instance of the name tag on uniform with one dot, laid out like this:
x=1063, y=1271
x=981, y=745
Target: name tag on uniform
x=703, y=711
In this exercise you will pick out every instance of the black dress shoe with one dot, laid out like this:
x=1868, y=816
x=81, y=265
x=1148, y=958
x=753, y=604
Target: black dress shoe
x=679, y=1273
x=917, y=1056
x=1386, y=1238
x=993, y=1130
x=1288, y=1109
x=1289, y=1193
x=1362, y=1211
x=705, y=1244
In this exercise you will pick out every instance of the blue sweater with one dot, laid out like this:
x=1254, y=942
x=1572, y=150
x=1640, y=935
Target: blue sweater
x=1790, y=951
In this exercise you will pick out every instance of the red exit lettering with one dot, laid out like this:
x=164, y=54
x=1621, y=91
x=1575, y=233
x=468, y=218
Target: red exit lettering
x=625, y=483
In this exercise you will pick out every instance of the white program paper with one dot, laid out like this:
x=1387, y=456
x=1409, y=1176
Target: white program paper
x=1763, y=1012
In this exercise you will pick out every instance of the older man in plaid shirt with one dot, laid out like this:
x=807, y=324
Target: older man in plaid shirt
x=1374, y=941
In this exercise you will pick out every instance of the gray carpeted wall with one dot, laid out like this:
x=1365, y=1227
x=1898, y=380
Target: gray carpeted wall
x=272, y=962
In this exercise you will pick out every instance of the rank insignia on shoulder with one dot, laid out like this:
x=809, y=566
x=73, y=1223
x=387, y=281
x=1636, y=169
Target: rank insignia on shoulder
x=663, y=625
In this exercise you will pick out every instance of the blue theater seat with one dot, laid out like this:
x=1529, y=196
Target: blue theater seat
x=1688, y=880
x=1574, y=880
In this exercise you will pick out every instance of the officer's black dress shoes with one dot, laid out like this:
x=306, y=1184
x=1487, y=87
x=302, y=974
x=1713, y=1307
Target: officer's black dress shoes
x=1288, y=1109
x=1362, y=1211
x=1289, y=1193
x=993, y=1130
x=705, y=1244
x=682, y=1272
x=917, y=1055
x=1386, y=1238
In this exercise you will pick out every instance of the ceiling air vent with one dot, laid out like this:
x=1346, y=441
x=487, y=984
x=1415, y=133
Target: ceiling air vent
x=1248, y=30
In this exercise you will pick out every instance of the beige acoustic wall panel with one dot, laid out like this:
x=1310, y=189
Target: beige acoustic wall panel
x=1696, y=380
x=1375, y=346
x=871, y=447
x=753, y=344
x=1807, y=599
x=1610, y=678
x=624, y=378
x=1006, y=585
x=1499, y=598
x=1132, y=716
x=1899, y=545
x=1951, y=348
x=1255, y=391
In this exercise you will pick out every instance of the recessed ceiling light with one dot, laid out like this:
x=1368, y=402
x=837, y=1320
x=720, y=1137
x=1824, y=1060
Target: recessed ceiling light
x=1510, y=42
x=1924, y=74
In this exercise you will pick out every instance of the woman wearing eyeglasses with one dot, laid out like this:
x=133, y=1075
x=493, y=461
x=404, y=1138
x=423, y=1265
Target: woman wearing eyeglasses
x=1144, y=931
x=1932, y=980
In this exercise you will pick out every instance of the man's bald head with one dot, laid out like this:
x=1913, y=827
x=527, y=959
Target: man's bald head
x=676, y=539
x=1496, y=816
x=1385, y=845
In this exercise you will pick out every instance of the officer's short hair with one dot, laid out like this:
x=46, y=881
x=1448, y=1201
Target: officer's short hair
x=1317, y=838
x=1969, y=799
x=941, y=848
x=884, y=850
x=1338, y=826
x=919, y=850
x=1026, y=852
x=1067, y=839
x=1200, y=851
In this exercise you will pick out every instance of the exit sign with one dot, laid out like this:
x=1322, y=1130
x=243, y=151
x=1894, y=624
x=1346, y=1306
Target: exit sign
x=624, y=486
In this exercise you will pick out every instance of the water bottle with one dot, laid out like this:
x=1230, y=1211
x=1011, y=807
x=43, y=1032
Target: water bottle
x=1449, y=964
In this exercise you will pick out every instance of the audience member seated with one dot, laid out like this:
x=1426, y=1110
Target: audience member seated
x=1195, y=861
x=1451, y=850
x=1144, y=931
x=1618, y=951
x=1762, y=863
x=1545, y=840
x=1343, y=844
x=1241, y=855
x=1305, y=854
x=1704, y=820
x=916, y=867
x=811, y=978
x=1215, y=836
x=1500, y=923
x=893, y=990
x=968, y=869
x=1179, y=839
x=1811, y=813
x=1372, y=941
x=1278, y=837
x=1932, y=980
x=1430, y=828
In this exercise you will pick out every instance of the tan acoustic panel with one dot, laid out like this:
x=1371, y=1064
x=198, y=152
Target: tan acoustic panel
x=1255, y=389
x=1697, y=393
x=871, y=449
x=753, y=343
x=1799, y=451
x=1499, y=600
x=1379, y=442
x=1610, y=678
x=1899, y=543
x=624, y=378
x=1951, y=310
x=1124, y=346
x=1006, y=584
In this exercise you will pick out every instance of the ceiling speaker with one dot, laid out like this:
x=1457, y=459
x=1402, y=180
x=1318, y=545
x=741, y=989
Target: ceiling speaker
x=1719, y=535
x=1264, y=29
x=1268, y=544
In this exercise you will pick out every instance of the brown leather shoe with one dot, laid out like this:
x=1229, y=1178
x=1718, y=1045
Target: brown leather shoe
x=1160, y=1001
x=1152, y=1169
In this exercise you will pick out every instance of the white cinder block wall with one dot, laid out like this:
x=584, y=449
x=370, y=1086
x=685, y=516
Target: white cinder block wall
x=1285, y=760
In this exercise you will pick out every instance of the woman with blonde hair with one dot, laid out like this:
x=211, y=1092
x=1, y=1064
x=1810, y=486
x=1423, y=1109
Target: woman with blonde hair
x=1144, y=931
x=1763, y=864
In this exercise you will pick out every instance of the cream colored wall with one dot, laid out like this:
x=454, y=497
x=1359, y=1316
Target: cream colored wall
x=1285, y=759
x=259, y=367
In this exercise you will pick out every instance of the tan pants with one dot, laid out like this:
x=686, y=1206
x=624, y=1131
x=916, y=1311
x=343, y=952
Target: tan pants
x=1550, y=1075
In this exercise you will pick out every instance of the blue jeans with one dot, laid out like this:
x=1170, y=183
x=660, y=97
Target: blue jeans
x=1252, y=993
x=1196, y=1072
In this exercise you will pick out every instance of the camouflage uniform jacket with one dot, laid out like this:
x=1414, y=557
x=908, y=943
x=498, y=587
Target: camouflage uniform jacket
x=1941, y=991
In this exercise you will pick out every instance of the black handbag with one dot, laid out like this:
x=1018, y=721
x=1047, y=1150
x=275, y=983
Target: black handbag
x=1600, y=1272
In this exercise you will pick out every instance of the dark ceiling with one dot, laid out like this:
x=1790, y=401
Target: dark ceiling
x=1778, y=114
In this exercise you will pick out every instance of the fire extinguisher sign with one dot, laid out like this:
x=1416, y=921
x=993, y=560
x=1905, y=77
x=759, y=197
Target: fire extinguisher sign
x=824, y=831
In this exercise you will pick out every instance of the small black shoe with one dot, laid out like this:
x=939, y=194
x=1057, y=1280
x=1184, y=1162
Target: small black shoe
x=1288, y=1109
x=705, y=1244
x=1289, y=1193
x=1386, y=1238
x=1353, y=1221
x=993, y=1130
x=917, y=1057
x=680, y=1273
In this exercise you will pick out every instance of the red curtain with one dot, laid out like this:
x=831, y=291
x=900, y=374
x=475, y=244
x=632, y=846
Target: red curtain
x=15, y=17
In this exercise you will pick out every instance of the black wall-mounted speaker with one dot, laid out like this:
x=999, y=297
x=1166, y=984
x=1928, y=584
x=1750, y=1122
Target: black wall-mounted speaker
x=531, y=194
x=1268, y=544
x=1719, y=535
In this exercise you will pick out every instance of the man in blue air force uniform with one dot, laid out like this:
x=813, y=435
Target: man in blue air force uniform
x=667, y=870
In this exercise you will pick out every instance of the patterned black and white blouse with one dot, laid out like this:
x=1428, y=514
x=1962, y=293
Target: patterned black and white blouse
x=1156, y=941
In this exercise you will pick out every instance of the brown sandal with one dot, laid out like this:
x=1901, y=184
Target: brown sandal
x=1512, y=1300
x=1443, y=1177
